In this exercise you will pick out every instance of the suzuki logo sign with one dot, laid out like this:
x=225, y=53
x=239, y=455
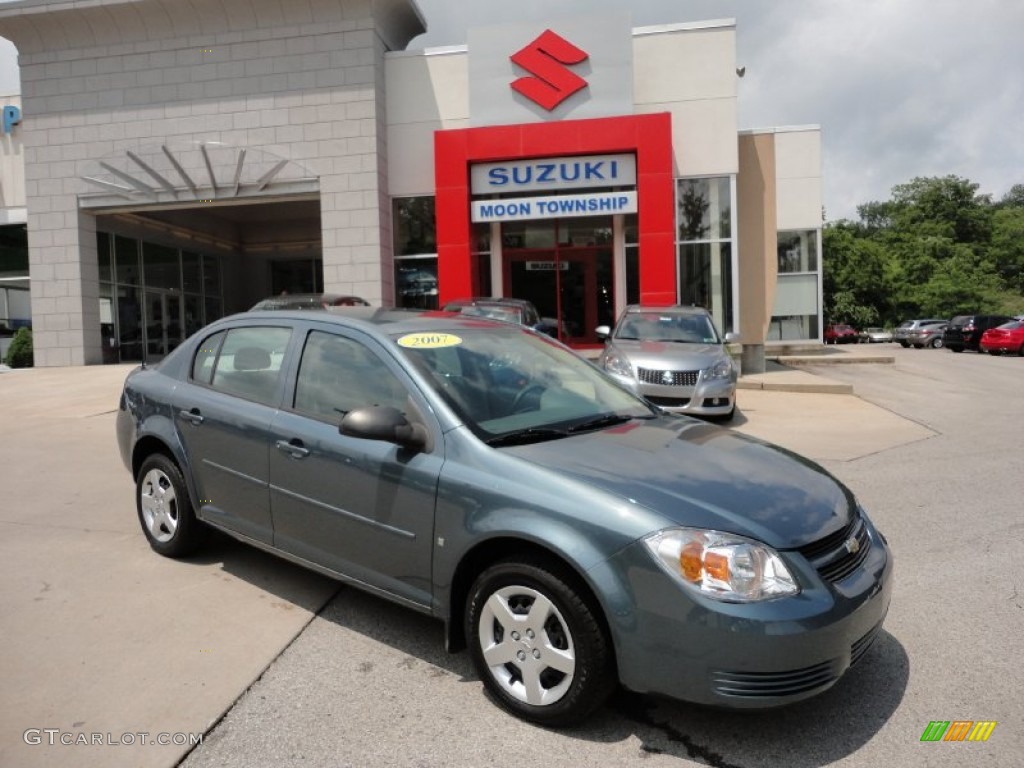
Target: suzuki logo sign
x=546, y=59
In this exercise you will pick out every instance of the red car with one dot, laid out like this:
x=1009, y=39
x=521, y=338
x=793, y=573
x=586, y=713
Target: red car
x=841, y=334
x=1008, y=337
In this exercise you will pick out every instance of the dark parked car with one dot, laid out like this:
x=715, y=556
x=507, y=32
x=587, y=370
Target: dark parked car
x=518, y=311
x=573, y=535
x=841, y=334
x=964, y=331
x=1008, y=337
x=929, y=335
x=904, y=329
x=310, y=301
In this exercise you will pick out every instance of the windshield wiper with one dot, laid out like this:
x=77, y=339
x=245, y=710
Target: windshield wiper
x=608, y=420
x=524, y=436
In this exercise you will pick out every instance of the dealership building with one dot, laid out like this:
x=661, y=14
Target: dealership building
x=170, y=162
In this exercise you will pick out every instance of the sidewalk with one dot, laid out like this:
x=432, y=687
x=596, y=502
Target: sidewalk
x=783, y=372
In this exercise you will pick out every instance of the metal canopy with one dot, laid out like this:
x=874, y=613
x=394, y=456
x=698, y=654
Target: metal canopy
x=205, y=173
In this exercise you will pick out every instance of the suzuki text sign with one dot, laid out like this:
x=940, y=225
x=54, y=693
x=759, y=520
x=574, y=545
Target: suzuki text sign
x=537, y=175
x=551, y=70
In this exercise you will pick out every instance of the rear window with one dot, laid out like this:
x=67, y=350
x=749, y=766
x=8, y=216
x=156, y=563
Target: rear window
x=961, y=320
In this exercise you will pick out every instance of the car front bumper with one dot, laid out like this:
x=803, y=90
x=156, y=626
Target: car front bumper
x=753, y=655
x=715, y=397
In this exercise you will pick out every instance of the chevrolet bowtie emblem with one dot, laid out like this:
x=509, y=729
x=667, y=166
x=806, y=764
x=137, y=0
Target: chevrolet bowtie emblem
x=552, y=82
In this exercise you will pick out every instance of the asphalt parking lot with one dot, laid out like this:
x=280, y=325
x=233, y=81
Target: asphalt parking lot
x=276, y=666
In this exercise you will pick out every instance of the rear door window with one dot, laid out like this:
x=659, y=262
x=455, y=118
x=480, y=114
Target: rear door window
x=248, y=363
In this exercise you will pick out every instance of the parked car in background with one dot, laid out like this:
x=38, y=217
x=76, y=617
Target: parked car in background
x=875, y=336
x=841, y=334
x=929, y=335
x=1008, y=337
x=674, y=357
x=907, y=326
x=518, y=311
x=309, y=301
x=573, y=536
x=965, y=331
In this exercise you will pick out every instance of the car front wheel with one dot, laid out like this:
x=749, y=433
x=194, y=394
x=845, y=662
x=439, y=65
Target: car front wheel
x=537, y=643
x=164, y=508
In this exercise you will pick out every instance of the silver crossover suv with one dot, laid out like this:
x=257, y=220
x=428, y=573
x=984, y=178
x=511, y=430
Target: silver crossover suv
x=673, y=357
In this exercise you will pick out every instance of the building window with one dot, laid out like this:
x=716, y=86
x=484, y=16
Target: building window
x=415, y=247
x=152, y=296
x=704, y=246
x=795, y=313
x=798, y=251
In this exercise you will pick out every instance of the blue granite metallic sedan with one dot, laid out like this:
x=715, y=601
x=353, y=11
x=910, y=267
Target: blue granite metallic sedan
x=571, y=534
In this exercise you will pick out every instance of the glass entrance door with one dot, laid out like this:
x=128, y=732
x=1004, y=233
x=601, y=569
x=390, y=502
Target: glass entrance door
x=163, y=323
x=570, y=284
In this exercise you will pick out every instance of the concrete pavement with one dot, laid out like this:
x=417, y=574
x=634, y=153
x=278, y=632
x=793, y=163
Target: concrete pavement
x=103, y=637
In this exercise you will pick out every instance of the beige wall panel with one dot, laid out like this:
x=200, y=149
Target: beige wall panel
x=798, y=153
x=423, y=88
x=684, y=65
x=799, y=203
x=703, y=135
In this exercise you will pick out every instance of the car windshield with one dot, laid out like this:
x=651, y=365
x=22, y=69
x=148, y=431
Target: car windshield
x=510, y=386
x=667, y=326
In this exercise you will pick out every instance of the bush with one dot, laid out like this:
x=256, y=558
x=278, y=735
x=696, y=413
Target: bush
x=19, y=354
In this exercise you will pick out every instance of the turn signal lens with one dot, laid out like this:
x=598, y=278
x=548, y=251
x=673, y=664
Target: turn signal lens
x=722, y=565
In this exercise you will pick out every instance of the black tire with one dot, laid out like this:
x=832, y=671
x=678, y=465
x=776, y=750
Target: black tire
x=1021, y=350
x=936, y=344
x=955, y=349
x=568, y=633
x=904, y=344
x=165, y=509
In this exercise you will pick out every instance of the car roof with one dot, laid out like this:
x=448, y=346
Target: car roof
x=500, y=300
x=382, y=320
x=681, y=309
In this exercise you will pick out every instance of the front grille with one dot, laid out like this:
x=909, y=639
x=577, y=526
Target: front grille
x=678, y=378
x=839, y=554
x=754, y=685
x=668, y=402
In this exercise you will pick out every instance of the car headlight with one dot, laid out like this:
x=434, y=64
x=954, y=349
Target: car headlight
x=616, y=362
x=720, y=370
x=723, y=566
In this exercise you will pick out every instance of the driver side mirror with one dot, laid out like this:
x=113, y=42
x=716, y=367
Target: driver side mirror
x=603, y=332
x=383, y=422
x=731, y=338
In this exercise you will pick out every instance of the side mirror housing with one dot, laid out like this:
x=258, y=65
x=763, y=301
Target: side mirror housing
x=731, y=338
x=603, y=332
x=385, y=423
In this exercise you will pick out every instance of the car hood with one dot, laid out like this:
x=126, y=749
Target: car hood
x=696, y=474
x=671, y=355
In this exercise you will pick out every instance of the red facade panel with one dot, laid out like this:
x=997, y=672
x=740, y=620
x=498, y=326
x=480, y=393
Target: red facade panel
x=648, y=136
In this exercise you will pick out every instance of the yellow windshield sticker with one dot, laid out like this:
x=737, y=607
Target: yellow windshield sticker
x=429, y=340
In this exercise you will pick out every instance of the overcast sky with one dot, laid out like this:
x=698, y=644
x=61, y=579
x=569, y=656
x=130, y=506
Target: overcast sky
x=901, y=88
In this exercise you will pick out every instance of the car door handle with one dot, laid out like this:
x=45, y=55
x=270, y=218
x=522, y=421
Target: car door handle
x=193, y=416
x=295, y=448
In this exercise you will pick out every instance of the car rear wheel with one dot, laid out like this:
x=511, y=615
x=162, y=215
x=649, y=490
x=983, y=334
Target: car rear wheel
x=164, y=508
x=936, y=343
x=537, y=643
